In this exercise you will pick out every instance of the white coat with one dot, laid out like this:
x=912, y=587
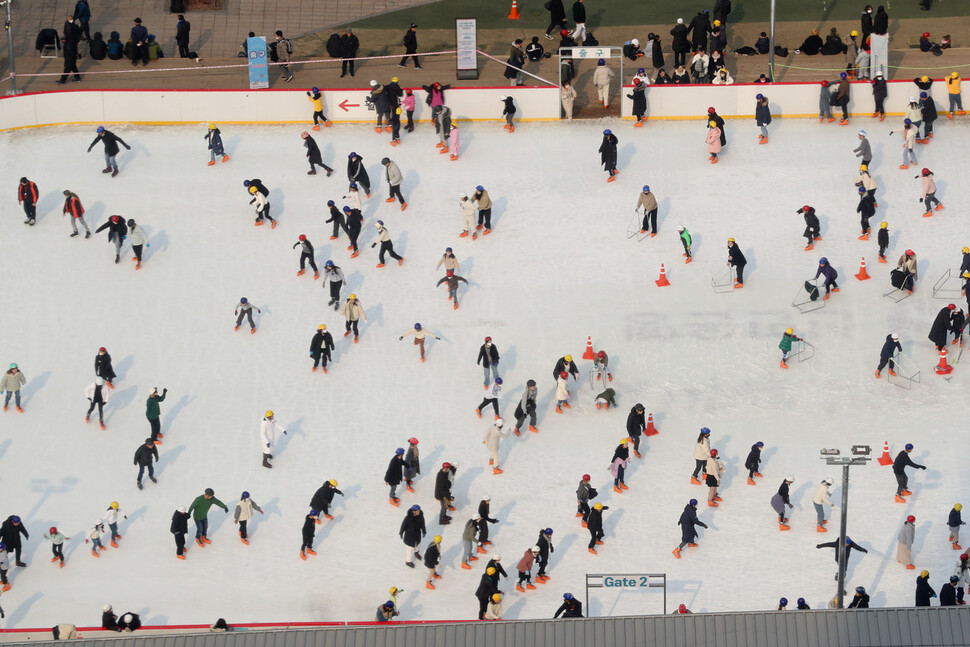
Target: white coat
x=89, y=392
x=267, y=434
x=562, y=393
x=493, y=611
x=702, y=450
x=822, y=495
x=111, y=516
x=95, y=532
x=353, y=199
x=137, y=236
x=467, y=208
x=726, y=80
x=494, y=436
x=602, y=76
x=492, y=394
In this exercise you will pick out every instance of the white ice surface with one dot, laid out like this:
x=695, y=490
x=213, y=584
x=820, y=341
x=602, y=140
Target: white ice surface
x=557, y=268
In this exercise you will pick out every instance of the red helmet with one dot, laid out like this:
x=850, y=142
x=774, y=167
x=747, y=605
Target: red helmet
x=304, y=135
x=806, y=208
x=586, y=477
x=636, y=81
x=564, y=375
x=449, y=273
x=926, y=171
x=682, y=608
x=910, y=519
x=601, y=354
x=926, y=34
x=53, y=530
x=910, y=252
x=565, y=32
x=413, y=441
x=711, y=111
x=825, y=84
x=302, y=237
x=488, y=339
x=446, y=466
x=714, y=453
x=102, y=350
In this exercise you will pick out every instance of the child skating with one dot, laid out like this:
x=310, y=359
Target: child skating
x=929, y=193
x=508, y=111
x=419, y=335
x=316, y=98
x=785, y=345
x=216, y=149
x=245, y=310
x=306, y=254
x=452, y=280
x=57, y=544
x=713, y=141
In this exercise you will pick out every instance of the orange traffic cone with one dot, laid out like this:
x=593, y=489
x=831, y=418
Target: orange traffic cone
x=514, y=14
x=942, y=368
x=662, y=281
x=863, y=275
x=885, y=459
x=589, y=349
x=650, y=430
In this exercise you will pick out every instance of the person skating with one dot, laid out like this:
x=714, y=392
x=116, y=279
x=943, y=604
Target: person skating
x=607, y=152
x=826, y=270
x=601, y=366
x=243, y=514
x=215, y=146
x=802, y=605
x=786, y=342
x=387, y=246
x=562, y=392
x=882, y=239
x=117, y=233
x=200, y=514
x=906, y=268
x=951, y=595
x=10, y=532
x=753, y=462
x=929, y=114
x=954, y=96
x=316, y=98
x=544, y=542
x=357, y=173
x=4, y=567
x=452, y=280
x=702, y=451
x=888, y=352
x=813, y=230
x=822, y=496
x=320, y=347
x=244, y=309
x=714, y=469
x=901, y=462
x=394, y=475
x=825, y=103
x=782, y=499
x=686, y=241
x=495, y=561
x=97, y=395
x=469, y=535
x=10, y=383
x=929, y=193
x=267, y=436
x=736, y=258
x=449, y=261
x=525, y=569
x=110, y=141
x=491, y=398
x=432, y=557
x=494, y=609
x=924, y=592
x=27, y=195
x=412, y=531
x=719, y=120
x=866, y=209
x=570, y=607
x=508, y=112
x=262, y=207
x=648, y=202
x=636, y=425
x=483, y=203
x=323, y=497
x=179, y=528
x=145, y=456
x=904, y=545
x=880, y=92
x=526, y=407
x=849, y=547
x=909, y=138
x=860, y=600
x=337, y=218
x=954, y=521
x=618, y=465
x=57, y=544
x=584, y=493
x=493, y=437
x=939, y=331
x=488, y=359
x=353, y=312
x=395, y=121
x=842, y=98
x=639, y=98
x=467, y=208
x=484, y=511
x=487, y=587
x=454, y=136
x=139, y=239
x=354, y=223
x=308, y=532
x=394, y=178
x=412, y=464
x=306, y=254
x=688, y=523
x=419, y=336
x=762, y=114
x=72, y=206
x=111, y=518
x=313, y=155
x=864, y=149
x=94, y=538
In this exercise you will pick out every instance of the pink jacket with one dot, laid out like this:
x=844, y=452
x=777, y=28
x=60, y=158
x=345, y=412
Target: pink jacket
x=409, y=102
x=714, y=140
x=525, y=564
x=929, y=186
x=454, y=140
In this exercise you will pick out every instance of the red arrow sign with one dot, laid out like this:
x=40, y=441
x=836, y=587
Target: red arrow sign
x=344, y=105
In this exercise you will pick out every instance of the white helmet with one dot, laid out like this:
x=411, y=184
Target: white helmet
x=828, y=480
x=486, y=498
x=680, y=228
x=496, y=557
x=499, y=422
x=181, y=509
x=454, y=464
x=462, y=196
x=789, y=479
x=503, y=97
x=535, y=549
x=99, y=381
x=106, y=608
x=635, y=42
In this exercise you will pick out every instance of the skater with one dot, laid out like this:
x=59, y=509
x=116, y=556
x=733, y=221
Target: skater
x=909, y=138
x=444, y=482
x=4, y=566
x=72, y=205
x=487, y=587
x=821, y=496
x=200, y=514
x=762, y=115
x=888, y=352
x=395, y=121
x=508, y=111
x=608, y=154
x=954, y=521
x=449, y=261
x=714, y=469
x=713, y=141
x=313, y=155
x=110, y=141
x=468, y=535
x=879, y=93
x=245, y=310
x=900, y=464
x=849, y=547
x=215, y=146
x=565, y=363
x=863, y=150
x=904, y=547
x=353, y=312
x=957, y=321
x=262, y=207
x=452, y=280
x=467, y=208
x=929, y=194
x=57, y=544
x=602, y=76
x=584, y=493
x=951, y=595
x=353, y=196
x=618, y=465
x=484, y=205
x=116, y=233
x=907, y=268
x=562, y=392
x=570, y=607
x=432, y=557
x=860, y=600
x=337, y=218
x=527, y=407
x=320, y=347
x=924, y=592
x=688, y=523
x=867, y=209
x=97, y=395
x=842, y=98
x=267, y=436
x=544, y=542
x=27, y=196
x=753, y=462
x=639, y=98
x=488, y=358
x=719, y=121
x=929, y=114
x=179, y=528
x=494, y=609
x=411, y=532
x=785, y=345
x=10, y=532
x=493, y=437
x=915, y=116
x=323, y=497
x=387, y=246
x=939, y=332
x=356, y=173
x=525, y=569
x=145, y=455
x=309, y=530
x=813, y=230
x=491, y=398
x=635, y=425
x=956, y=101
x=419, y=335
x=648, y=202
x=454, y=134
x=702, y=451
x=825, y=103
x=354, y=222
x=394, y=178
x=601, y=366
x=139, y=239
x=94, y=538
x=882, y=238
x=484, y=510
x=686, y=242
x=737, y=259
x=394, y=475
x=10, y=383
x=316, y=98
x=408, y=104
x=306, y=254
x=802, y=605
x=412, y=464
x=782, y=499
x=256, y=182
x=111, y=518
x=826, y=270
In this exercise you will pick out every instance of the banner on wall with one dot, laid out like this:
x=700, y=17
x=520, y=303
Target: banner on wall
x=466, y=31
x=258, y=63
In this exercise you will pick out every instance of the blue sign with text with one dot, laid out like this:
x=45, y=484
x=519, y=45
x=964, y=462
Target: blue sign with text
x=258, y=63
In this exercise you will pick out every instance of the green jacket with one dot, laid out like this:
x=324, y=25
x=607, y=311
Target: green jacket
x=786, y=340
x=686, y=236
x=200, y=507
x=151, y=407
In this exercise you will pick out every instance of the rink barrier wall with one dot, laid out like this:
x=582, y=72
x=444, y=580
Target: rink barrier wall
x=893, y=627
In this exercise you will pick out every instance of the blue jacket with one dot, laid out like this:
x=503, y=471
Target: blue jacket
x=887, y=351
x=139, y=34
x=828, y=272
x=955, y=519
x=82, y=11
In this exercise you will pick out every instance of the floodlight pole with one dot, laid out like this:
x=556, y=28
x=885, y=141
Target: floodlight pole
x=861, y=454
x=771, y=44
x=6, y=27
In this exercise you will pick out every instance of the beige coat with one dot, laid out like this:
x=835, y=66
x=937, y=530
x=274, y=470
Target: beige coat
x=12, y=381
x=353, y=311
x=483, y=201
x=714, y=468
x=602, y=76
x=450, y=263
x=908, y=265
x=868, y=183
x=419, y=334
x=929, y=186
x=648, y=201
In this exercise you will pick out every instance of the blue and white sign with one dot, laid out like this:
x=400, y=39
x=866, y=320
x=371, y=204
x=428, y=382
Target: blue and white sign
x=258, y=63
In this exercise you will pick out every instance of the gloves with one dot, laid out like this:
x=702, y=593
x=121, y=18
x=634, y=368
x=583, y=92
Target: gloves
x=164, y=391
x=85, y=541
x=267, y=445
x=922, y=467
x=235, y=520
x=284, y=432
x=373, y=245
x=148, y=244
x=127, y=146
x=400, y=338
x=125, y=516
x=308, y=94
x=438, y=338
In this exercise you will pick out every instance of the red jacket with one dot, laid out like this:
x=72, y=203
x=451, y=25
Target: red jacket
x=73, y=206
x=27, y=192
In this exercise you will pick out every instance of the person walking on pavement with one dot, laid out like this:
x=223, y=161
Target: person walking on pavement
x=411, y=47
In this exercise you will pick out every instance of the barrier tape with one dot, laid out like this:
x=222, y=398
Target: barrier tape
x=894, y=67
x=517, y=69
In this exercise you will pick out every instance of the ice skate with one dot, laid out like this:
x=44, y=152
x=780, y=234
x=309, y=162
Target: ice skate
x=906, y=493
x=751, y=481
x=821, y=529
x=900, y=499
x=496, y=470
x=429, y=585
x=783, y=527
x=694, y=481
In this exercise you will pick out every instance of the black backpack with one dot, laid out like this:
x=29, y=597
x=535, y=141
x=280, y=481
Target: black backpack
x=590, y=41
x=273, y=56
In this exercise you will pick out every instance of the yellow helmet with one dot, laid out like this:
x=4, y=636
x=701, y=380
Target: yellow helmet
x=568, y=358
x=490, y=570
x=711, y=123
x=883, y=225
x=353, y=296
x=958, y=507
x=253, y=189
x=598, y=506
x=955, y=75
x=789, y=331
x=333, y=482
x=392, y=590
x=966, y=275
x=212, y=126
x=394, y=79
x=924, y=574
x=437, y=539
x=114, y=505
x=397, y=111
x=853, y=33
x=924, y=78
x=624, y=441
x=717, y=23
x=863, y=167
x=322, y=327
x=269, y=414
x=730, y=240
x=965, y=250
x=496, y=597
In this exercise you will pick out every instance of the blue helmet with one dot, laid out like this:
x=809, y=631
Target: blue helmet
x=314, y=513
x=328, y=264
x=909, y=446
x=330, y=203
x=923, y=95
x=760, y=97
x=346, y=209
x=843, y=75
x=548, y=531
x=100, y=129
x=479, y=188
x=705, y=431
x=3, y=546
x=862, y=189
x=801, y=601
x=646, y=188
x=607, y=132
x=641, y=71
x=783, y=602
x=693, y=502
x=389, y=604
x=498, y=381
x=448, y=249
x=417, y=326
x=245, y=495
x=601, y=62
x=415, y=507
x=353, y=185
x=244, y=300
x=848, y=540
x=399, y=451
x=908, y=122
x=352, y=155
x=15, y=519
x=315, y=90
x=760, y=444
x=860, y=589
x=380, y=222
x=567, y=596
x=246, y=183
x=823, y=261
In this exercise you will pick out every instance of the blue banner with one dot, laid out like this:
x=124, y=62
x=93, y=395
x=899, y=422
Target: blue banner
x=258, y=63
